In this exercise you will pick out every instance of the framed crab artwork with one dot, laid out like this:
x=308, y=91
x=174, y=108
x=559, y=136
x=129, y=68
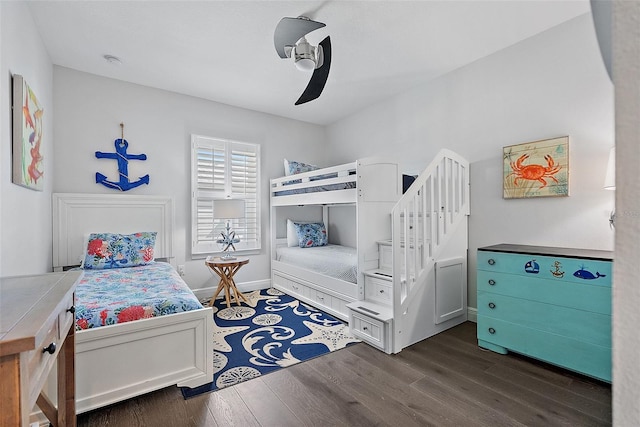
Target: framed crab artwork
x=536, y=169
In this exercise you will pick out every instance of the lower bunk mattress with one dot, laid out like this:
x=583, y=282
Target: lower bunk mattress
x=112, y=296
x=339, y=262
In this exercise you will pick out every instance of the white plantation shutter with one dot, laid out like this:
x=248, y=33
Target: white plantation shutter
x=224, y=169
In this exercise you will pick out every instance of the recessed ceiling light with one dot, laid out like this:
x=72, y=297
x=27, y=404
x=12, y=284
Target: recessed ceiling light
x=112, y=59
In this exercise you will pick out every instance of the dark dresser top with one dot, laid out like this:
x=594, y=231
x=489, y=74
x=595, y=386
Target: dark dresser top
x=546, y=250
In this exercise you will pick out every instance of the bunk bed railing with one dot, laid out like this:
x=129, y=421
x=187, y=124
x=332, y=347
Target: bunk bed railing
x=296, y=189
x=423, y=220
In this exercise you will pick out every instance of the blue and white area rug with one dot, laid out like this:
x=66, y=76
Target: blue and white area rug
x=272, y=331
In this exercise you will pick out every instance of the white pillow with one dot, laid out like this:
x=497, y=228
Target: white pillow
x=292, y=234
x=287, y=172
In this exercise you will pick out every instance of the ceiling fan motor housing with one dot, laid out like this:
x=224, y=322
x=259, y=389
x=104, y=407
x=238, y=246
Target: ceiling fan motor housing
x=304, y=55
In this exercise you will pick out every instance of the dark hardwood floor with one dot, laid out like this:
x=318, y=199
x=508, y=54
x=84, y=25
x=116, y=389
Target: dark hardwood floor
x=446, y=380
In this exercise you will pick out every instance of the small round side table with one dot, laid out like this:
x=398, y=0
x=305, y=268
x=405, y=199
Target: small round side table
x=226, y=269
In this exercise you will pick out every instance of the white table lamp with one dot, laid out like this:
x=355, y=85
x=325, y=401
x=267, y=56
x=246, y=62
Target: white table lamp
x=228, y=209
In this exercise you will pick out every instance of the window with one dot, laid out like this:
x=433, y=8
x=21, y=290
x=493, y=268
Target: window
x=224, y=169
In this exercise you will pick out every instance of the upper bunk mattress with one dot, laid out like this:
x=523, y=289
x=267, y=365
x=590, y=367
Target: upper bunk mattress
x=340, y=262
x=317, y=188
x=110, y=296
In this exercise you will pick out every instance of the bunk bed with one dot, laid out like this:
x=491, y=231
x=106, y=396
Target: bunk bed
x=329, y=274
x=125, y=359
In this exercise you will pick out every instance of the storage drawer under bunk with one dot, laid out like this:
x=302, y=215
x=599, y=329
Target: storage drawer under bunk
x=321, y=298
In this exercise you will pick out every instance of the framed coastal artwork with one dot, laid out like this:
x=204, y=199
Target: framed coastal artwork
x=536, y=169
x=27, y=136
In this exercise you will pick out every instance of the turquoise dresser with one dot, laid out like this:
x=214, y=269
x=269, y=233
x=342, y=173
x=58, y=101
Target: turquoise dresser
x=553, y=304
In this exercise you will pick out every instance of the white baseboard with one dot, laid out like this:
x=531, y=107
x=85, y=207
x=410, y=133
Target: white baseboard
x=472, y=314
x=242, y=287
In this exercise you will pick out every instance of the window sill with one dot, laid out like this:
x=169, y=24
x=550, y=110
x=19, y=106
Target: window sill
x=244, y=252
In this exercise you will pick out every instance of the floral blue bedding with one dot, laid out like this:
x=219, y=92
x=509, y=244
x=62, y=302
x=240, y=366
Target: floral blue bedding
x=108, y=297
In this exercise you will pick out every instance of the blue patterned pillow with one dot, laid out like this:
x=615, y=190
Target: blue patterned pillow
x=294, y=167
x=311, y=234
x=109, y=250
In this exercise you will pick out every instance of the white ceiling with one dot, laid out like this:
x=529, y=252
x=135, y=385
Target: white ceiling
x=223, y=50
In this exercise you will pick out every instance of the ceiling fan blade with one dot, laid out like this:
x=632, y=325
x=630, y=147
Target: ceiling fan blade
x=289, y=30
x=319, y=76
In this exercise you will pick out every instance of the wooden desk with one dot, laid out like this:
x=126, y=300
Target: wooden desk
x=226, y=269
x=36, y=327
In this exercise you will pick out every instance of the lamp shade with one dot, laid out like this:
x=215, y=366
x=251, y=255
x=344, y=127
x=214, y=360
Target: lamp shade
x=228, y=208
x=610, y=177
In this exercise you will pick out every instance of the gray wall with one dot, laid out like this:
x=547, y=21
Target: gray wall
x=550, y=85
x=158, y=123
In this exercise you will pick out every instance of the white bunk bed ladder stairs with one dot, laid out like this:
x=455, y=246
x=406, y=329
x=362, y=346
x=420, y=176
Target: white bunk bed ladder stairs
x=419, y=288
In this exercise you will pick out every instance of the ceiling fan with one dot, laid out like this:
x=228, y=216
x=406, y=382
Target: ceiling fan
x=290, y=42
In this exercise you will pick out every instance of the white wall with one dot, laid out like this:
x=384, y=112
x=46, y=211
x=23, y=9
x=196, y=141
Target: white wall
x=89, y=110
x=25, y=215
x=552, y=84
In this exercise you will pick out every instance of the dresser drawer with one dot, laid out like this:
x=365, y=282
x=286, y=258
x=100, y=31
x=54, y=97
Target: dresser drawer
x=579, y=325
x=575, y=270
x=583, y=296
x=587, y=358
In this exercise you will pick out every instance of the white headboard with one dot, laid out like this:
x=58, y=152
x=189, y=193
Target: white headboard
x=77, y=215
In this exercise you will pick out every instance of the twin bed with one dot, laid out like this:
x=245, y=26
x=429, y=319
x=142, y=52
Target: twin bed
x=138, y=328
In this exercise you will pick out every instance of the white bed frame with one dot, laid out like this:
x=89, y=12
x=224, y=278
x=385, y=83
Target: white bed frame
x=117, y=362
x=377, y=189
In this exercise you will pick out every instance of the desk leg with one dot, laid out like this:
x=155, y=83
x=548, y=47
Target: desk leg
x=67, y=380
x=14, y=398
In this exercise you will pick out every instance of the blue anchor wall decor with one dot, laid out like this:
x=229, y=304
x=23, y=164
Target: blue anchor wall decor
x=123, y=158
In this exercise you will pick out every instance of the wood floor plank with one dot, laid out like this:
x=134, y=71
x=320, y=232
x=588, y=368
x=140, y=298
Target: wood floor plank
x=375, y=399
x=228, y=408
x=310, y=407
x=432, y=410
x=518, y=402
x=162, y=407
x=593, y=408
x=587, y=387
x=337, y=400
x=265, y=406
x=386, y=362
x=543, y=371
